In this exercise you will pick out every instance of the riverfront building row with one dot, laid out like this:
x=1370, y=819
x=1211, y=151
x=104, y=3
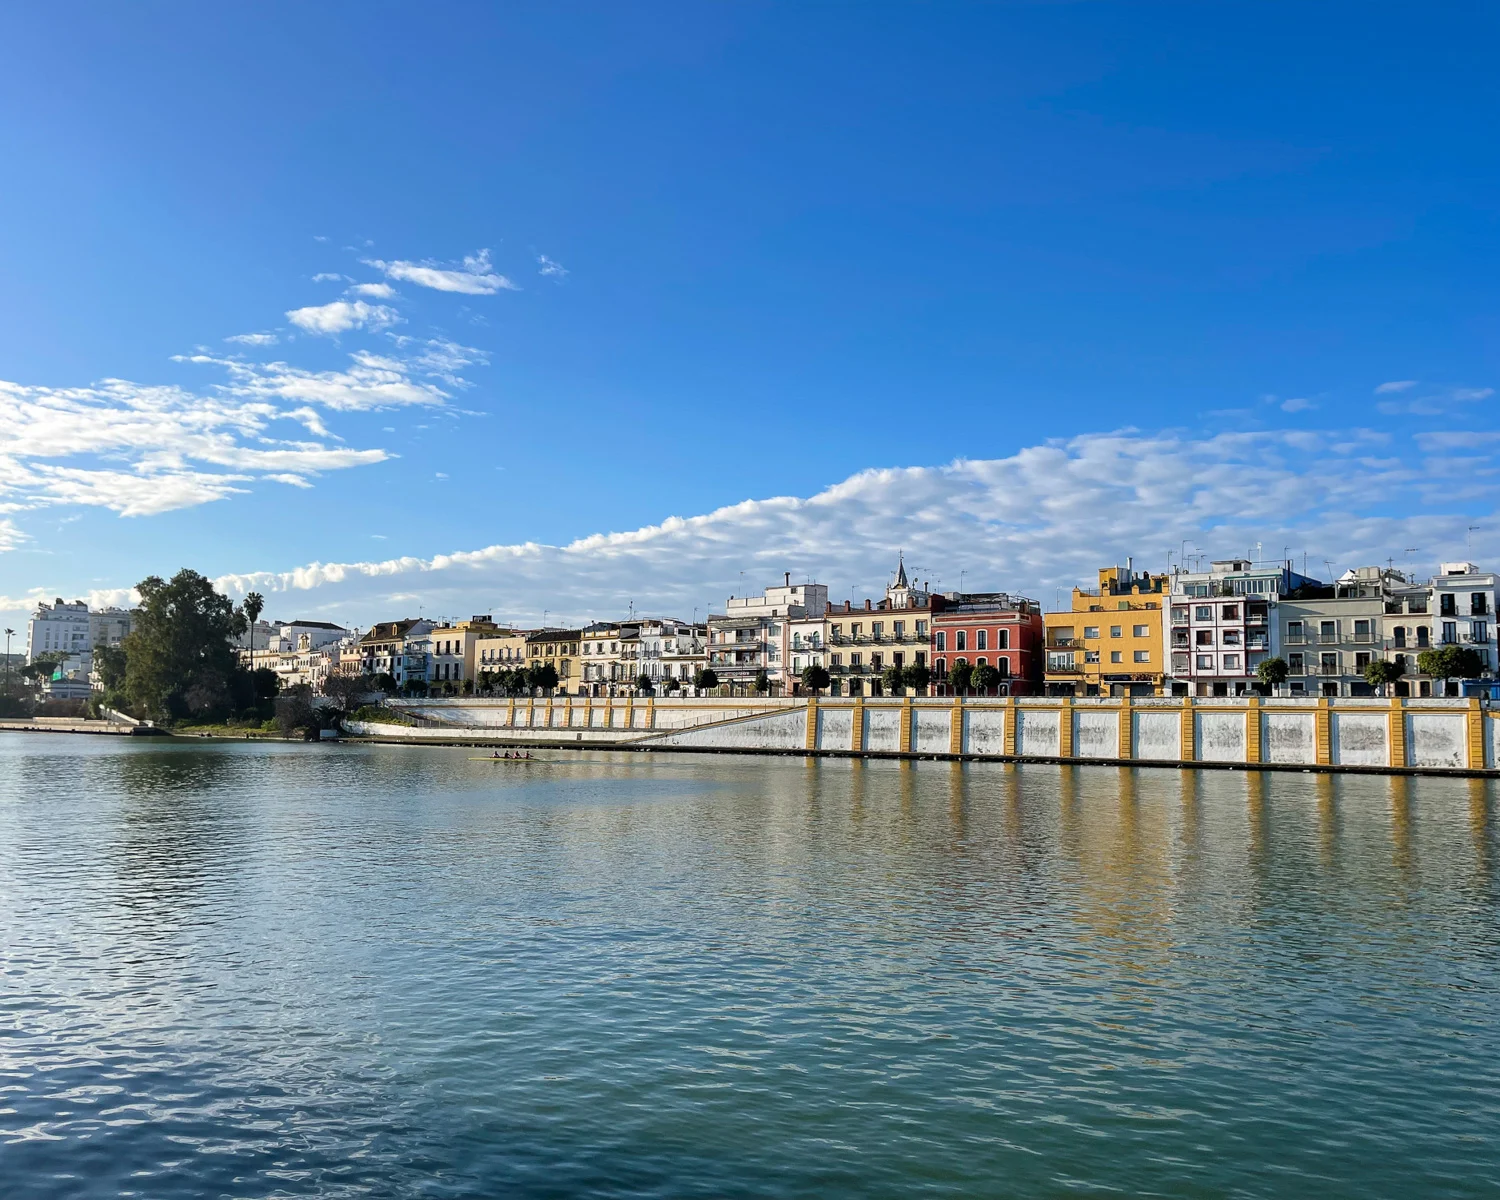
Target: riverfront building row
x=1236, y=628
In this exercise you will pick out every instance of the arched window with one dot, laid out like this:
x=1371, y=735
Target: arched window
x=940, y=667
x=981, y=661
x=1004, y=642
x=1003, y=666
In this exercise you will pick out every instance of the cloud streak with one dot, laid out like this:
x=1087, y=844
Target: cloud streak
x=475, y=276
x=341, y=316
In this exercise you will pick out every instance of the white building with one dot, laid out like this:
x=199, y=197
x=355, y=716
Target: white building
x=754, y=634
x=303, y=635
x=59, y=627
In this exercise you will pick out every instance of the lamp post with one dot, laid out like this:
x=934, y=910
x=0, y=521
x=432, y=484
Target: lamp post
x=8, y=635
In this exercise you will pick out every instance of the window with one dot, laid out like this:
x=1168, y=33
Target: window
x=1479, y=631
x=921, y=628
x=837, y=633
x=1203, y=613
x=1231, y=637
x=1328, y=664
x=982, y=640
x=1450, y=632
x=1231, y=612
x=1004, y=642
x=1205, y=662
x=1116, y=656
x=1091, y=656
x=1478, y=605
x=876, y=662
x=942, y=639
x=1417, y=605
x=1361, y=661
x=1294, y=664
x=1203, y=637
x=856, y=629
x=898, y=629
x=1140, y=631
x=836, y=660
x=1422, y=636
x=1091, y=631
x=1179, y=663
x=981, y=661
x=1362, y=631
x=1003, y=666
x=1116, y=631
x=1446, y=605
x=877, y=628
x=898, y=659
x=1179, y=616
x=856, y=659
x=961, y=639
x=1143, y=656
x=940, y=666
x=919, y=658
x=1231, y=662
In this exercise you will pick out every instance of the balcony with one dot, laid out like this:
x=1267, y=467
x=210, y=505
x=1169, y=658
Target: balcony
x=1327, y=669
x=1053, y=669
x=1062, y=643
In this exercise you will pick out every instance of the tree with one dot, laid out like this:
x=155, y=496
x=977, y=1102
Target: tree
x=384, y=682
x=815, y=678
x=294, y=711
x=706, y=679
x=894, y=679
x=541, y=675
x=254, y=604
x=1272, y=672
x=347, y=692
x=1450, y=662
x=762, y=681
x=917, y=677
x=960, y=676
x=1380, y=674
x=984, y=678
x=179, y=660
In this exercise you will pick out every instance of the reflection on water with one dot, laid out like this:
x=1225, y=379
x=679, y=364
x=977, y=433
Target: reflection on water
x=277, y=970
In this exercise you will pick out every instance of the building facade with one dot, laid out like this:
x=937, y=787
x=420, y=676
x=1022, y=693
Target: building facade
x=395, y=648
x=1110, y=642
x=453, y=662
x=1218, y=625
x=861, y=643
x=754, y=635
x=558, y=648
x=991, y=629
x=59, y=628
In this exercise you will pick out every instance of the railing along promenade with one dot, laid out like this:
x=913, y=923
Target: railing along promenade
x=1397, y=734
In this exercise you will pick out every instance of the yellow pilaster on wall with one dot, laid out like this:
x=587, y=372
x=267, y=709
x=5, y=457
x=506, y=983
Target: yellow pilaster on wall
x=629, y=712
x=906, y=712
x=1398, y=732
x=812, y=722
x=510, y=713
x=1476, y=734
x=1065, y=729
x=1127, y=728
x=1252, y=729
x=857, y=738
x=1323, y=732
x=1012, y=712
x=956, y=730
x=547, y=712
x=568, y=713
x=588, y=712
x=1189, y=733
x=651, y=712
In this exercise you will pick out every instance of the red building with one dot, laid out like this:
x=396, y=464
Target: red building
x=990, y=629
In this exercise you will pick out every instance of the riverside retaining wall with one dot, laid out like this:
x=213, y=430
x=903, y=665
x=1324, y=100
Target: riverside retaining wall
x=1378, y=734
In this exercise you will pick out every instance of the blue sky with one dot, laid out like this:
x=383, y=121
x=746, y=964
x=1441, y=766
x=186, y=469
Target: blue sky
x=731, y=253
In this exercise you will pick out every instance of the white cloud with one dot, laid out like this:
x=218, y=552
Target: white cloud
x=343, y=315
x=1432, y=402
x=546, y=266
x=376, y=291
x=474, y=277
x=1297, y=404
x=254, y=339
x=329, y=277
x=1044, y=518
x=1395, y=385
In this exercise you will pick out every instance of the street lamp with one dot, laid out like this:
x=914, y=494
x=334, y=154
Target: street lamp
x=8, y=634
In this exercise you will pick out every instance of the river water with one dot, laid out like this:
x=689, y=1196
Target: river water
x=265, y=970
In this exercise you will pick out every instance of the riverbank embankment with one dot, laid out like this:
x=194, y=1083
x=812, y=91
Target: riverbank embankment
x=1387, y=736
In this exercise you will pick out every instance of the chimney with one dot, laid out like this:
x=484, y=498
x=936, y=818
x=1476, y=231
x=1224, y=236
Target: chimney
x=787, y=575
x=846, y=606
x=867, y=606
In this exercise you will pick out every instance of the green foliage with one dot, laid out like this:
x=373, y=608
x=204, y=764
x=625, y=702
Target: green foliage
x=706, y=679
x=254, y=604
x=894, y=679
x=110, y=662
x=762, y=681
x=984, y=678
x=960, y=676
x=815, y=678
x=179, y=661
x=43, y=665
x=1381, y=674
x=295, y=712
x=917, y=677
x=643, y=683
x=1450, y=662
x=380, y=714
x=1272, y=671
x=541, y=675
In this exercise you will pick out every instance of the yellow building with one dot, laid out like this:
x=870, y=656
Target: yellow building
x=497, y=653
x=1110, y=642
x=560, y=647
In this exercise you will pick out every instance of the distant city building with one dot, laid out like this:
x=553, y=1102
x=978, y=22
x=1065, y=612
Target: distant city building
x=754, y=634
x=392, y=648
x=1110, y=642
x=59, y=628
x=860, y=643
x=992, y=629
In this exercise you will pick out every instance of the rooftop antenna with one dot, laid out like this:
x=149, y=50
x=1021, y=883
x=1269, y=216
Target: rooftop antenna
x=1329, y=565
x=1469, y=540
x=1411, y=571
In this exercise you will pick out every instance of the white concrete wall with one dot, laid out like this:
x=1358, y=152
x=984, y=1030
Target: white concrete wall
x=932, y=729
x=1436, y=739
x=1039, y=732
x=835, y=729
x=1220, y=736
x=1158, y=736
x=777, y=731
x=1288, y=737
x=1360, y=739
x=883, y=729
x=1096, y=733
x=984, y=731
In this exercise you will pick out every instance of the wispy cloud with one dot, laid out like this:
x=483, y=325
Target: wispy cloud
x=376, y=291
x=329, y=277
x=254, y=339
x=1395, y=385
x=342, y=316
x=1430, y=400
x=1297, y=404
x=475, y=276
x=546, y=266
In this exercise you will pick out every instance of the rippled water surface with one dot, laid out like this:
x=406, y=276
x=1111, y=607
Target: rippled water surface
x=241, y=970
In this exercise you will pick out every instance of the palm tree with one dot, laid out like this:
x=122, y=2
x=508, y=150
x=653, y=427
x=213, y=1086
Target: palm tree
x=254, y=605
